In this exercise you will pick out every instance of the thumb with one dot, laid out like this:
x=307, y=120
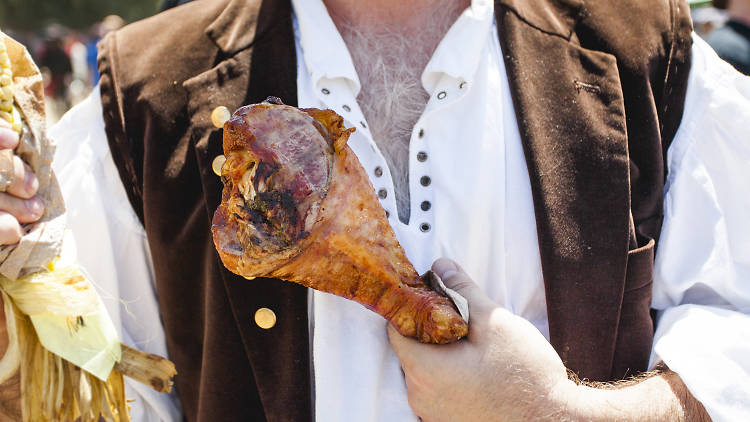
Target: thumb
x=456, y=279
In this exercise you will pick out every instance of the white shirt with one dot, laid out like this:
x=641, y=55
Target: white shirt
x=478, y=177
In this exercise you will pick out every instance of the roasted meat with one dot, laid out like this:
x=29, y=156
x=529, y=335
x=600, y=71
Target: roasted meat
x=298, y=206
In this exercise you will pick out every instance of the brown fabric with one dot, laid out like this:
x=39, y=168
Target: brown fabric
x=597, y=104
x=598, y=89
x=161, y=78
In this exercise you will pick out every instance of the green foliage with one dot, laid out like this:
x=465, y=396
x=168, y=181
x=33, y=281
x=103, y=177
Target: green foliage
x=31, y=15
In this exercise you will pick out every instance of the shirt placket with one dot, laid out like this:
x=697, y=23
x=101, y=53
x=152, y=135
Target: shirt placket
x=336, y=95
x=424, y=138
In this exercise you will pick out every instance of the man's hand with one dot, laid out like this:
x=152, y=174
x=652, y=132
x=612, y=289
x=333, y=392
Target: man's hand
x=18, y=203
x=506, y=370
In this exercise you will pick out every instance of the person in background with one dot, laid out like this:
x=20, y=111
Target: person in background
x=54, y=61
x=707, y=19
x=98, y=30
x=80, y=81
x=732, y=41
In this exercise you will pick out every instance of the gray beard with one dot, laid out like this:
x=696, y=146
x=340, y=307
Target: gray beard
x=389, y=64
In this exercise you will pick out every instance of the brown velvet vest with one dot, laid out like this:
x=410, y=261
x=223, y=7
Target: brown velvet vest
x=598, y=90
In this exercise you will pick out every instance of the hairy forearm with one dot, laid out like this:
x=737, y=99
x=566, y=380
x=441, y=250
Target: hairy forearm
x=661, y=396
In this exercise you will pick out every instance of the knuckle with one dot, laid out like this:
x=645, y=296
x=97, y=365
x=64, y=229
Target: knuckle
x=415, y=382
x=414, y=402
x=461, y=283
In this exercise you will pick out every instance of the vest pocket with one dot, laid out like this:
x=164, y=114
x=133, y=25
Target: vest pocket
x=640, y=270
x=635, y=331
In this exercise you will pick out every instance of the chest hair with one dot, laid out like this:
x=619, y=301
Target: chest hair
x=389, y=62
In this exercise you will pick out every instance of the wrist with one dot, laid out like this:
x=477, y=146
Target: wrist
x=657, y=397
x=588, y=403
x=642, y=401
x=568, y=401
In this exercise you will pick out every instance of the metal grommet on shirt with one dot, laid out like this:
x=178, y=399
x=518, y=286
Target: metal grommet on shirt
x=425, y=205
x=421, y=133
x=378, y=171
x=325, y=91
x=421, y=156
x=363, y=124
x=219, y=116
x=425, y=180
x=382, y=193
x=265, y=318
x=462, y=85
x=441, y=95
x=425, y=227
x=346, y=108
x=218, y=163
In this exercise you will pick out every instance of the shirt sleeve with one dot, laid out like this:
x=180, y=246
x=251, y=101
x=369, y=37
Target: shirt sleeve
x=111, y=244
x=702, y=269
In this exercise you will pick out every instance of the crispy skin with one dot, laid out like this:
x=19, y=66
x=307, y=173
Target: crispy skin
x=311, y=217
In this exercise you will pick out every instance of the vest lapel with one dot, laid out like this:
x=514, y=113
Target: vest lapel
x=570, y=113
x=259, y=61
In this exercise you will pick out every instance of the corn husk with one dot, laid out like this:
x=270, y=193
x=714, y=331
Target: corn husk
x=60, y=335
x=63, y=292
x=67, y=316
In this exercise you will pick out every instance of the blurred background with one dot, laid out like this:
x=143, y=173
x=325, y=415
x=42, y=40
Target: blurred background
x=62, y=34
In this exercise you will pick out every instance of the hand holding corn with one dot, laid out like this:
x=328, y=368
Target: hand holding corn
x=18, y=183
x=60, y=334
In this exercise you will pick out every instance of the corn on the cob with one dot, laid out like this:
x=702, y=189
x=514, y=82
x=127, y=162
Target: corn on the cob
x=8, y=110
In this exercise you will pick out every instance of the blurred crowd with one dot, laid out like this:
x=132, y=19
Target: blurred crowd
x=67, y=60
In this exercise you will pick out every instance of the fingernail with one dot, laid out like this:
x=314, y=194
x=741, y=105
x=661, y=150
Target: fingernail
x=445, y=268
x=31, y=183
x=35, y=206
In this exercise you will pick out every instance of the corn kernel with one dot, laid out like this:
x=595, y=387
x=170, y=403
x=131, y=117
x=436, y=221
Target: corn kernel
x=8, y=111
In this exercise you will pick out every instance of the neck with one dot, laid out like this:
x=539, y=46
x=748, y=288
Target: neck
x=390, y=42
x=379, y=13
x=739, y=10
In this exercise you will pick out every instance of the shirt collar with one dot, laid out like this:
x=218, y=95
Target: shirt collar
x=326, y=56
x=459, y=51
x=323, y=49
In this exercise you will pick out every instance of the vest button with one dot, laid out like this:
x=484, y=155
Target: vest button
x=219, y=116
x=218, y=163
x=265, y=318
